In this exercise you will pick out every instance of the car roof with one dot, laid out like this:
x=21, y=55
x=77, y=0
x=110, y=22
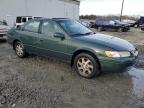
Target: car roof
x=55, y=19
x=60, y=18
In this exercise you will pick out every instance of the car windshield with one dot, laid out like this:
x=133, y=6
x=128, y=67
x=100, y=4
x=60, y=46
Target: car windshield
x=74, y=28
x=117, y=21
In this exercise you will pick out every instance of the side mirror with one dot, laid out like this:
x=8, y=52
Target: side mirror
x=59, y=35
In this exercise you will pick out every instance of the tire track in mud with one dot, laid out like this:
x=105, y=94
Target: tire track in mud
x=27, y=96
x=16, y=91
x=19, y=90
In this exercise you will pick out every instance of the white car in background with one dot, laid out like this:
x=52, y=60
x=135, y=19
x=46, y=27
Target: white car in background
x=4, y=28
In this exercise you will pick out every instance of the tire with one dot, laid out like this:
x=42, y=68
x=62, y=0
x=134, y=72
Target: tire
x=1, y=35
x=136, y=26
x=100, y=29
x=120, y=30
x=19, y=49
x=86, y=65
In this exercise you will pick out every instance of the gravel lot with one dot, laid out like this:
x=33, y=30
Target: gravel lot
x=37, y=82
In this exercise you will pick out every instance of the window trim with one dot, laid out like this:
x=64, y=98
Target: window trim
x=40, y=29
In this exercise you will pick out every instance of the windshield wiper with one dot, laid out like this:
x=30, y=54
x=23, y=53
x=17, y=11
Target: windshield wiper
x=83, y=34
x=77, y=34
x=89, y=33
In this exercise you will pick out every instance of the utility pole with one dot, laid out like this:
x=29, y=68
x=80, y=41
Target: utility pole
x=122, y=10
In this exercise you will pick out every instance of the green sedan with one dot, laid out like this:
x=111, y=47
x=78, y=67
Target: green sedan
x=65, y=39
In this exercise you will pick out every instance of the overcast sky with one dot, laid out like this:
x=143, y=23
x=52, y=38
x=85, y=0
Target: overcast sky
x=105, y=7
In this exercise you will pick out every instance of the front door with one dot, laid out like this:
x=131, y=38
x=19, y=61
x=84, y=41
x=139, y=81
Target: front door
x=50, y=45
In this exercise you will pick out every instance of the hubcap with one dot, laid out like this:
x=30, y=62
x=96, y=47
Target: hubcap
x=120, y=29
x=19, y=49
x=85, y=66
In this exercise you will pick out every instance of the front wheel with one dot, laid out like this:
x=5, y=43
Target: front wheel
x=86, y=65
x=19, y=49
x=120, y=29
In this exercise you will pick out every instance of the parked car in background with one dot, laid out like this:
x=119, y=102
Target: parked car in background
x=90, y=53
x=130, y=22
x=139, y=22
x=4, y=28
x=85, y=23
x=92, y=24
x=115, y=25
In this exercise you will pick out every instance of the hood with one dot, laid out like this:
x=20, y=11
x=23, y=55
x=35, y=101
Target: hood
x=122, y=23
x=111, y=42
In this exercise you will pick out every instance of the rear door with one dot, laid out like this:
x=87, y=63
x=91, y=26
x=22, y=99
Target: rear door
x=28, y=35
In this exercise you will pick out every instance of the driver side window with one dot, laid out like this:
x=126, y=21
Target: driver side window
x=49, y=28
x=32, y=26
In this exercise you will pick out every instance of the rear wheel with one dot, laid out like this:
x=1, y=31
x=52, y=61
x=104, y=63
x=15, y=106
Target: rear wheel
x=86, y=65
x=100, y=29
x=19, y=49
x=120, y=29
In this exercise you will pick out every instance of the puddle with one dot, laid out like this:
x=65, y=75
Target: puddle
x=138, y=81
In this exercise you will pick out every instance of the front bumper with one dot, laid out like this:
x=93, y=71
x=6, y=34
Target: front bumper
x=116, y=64
x=3, y=33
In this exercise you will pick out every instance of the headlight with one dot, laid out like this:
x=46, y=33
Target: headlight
x=115, y=54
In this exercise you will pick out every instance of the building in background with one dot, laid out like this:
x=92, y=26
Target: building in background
x=10, y=9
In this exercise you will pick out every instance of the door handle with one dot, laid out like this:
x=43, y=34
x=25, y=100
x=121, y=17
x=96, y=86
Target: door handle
x=41, y=40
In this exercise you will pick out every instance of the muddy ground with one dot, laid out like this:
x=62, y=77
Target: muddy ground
x=37, y=82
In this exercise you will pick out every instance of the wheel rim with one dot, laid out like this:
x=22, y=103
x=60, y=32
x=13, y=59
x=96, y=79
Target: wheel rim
x=85, y=66
x=120, y=29
x=19, y=50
